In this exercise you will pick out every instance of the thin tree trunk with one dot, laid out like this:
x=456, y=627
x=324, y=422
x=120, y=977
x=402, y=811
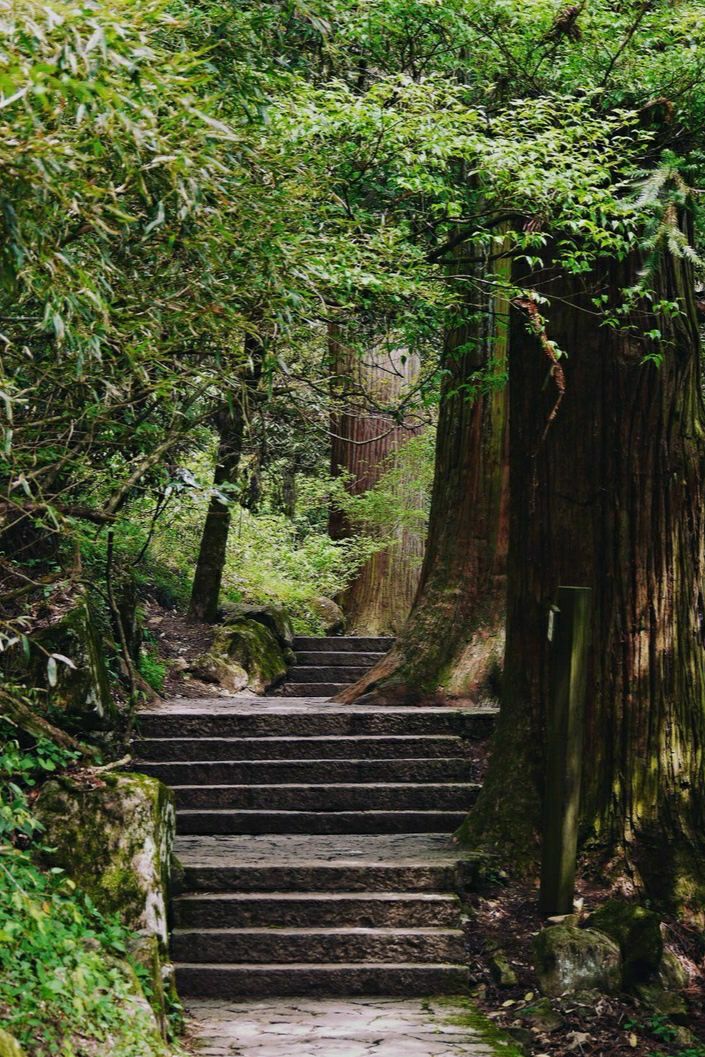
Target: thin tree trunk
x=364, y=445
x=452, y=642
x=610, y=497
x=207, y=580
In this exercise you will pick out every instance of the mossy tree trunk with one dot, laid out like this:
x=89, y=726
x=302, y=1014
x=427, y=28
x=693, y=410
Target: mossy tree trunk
x=453, y=640
x=364, y=444
x=610, y=497
x=231, y=421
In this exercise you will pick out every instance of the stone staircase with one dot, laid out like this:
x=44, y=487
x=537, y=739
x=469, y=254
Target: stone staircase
x=325, y=666
x=315, y=844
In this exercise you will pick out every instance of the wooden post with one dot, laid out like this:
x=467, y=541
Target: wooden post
x=568, y=631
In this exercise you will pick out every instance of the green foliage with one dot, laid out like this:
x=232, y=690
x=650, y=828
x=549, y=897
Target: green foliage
x=20, y=771
x=66, y=983
x=64, y=986
x=271, y=557
x=400, y=501
x=152, y=669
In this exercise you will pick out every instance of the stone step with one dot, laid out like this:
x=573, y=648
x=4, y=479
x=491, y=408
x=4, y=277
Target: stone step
x=309, y=772
x=317, y=909
x=338, y=797
x=399, y=862
x=288, y=750
x=343, y=644
x=328, y=674
x=312, y=689
x=349, y=659
x=272, y=717
x=213, y=821
x=296, y=978
x=329, y=945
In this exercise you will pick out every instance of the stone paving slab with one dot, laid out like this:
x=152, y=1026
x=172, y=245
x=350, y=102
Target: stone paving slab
x=362, y=1027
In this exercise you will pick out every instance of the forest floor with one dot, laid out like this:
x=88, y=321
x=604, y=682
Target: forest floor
x=179, y=643
x=507, y=919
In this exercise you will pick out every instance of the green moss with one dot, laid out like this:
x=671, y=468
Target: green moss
x=637, y=931
x=115, y=842
x=9, y=1046
x=462, y=1013
x=256, y=648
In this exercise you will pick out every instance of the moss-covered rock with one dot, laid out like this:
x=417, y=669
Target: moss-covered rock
x=81, y=689
x=672, y=974
x=330, y=615
x=114, y=839
x=253, y=647
x=273, y=617
x=9, y=1046
x=540, y=1014
x=499, y=966
x=569, y=959
x=218, y=668
x=665, y=1003
x=637, y=931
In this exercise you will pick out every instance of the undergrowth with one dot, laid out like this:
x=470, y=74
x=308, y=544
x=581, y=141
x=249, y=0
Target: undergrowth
x=67, y=986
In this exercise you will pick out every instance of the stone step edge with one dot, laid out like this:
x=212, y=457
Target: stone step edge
x=298, y=761
x=312, y=930
x=261, y=967
x=334, y=786
x=296, y=738
x=324, y=897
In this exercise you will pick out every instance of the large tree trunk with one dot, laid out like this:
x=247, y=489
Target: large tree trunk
x=364, y=445
x=610, y=497
x=452, y=643
x=205, y=590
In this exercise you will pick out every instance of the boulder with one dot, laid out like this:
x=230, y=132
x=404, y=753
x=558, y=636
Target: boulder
x=81, y=689
x=9, y=1046
x=217, y=667
x=637, y=931
x=245, y=646
x=329, y=614
x=569, y=959
x=273, y=617
x=113, y=836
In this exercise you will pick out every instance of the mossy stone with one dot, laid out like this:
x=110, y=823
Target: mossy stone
x=666, y=1003
x=500, y=969
x=115, y=841
x=329, y=614
x=9, y=1046
x=637, y=931
x=569, y=959
x=271, y=616
x=254, y=647
x=541, y=1014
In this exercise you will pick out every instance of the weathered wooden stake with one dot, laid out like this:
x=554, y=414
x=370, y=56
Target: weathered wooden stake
x=569, y=627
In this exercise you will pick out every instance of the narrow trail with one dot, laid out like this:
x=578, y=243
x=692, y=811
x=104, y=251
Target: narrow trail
x=320, y=878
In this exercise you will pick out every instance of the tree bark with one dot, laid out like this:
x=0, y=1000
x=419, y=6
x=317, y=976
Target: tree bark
x=452, y=643
x=364, y=445
x=610, y=496
x=207, y=580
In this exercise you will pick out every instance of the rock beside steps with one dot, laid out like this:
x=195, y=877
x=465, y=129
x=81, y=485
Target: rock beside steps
x=315, y=844
x=325, y=666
